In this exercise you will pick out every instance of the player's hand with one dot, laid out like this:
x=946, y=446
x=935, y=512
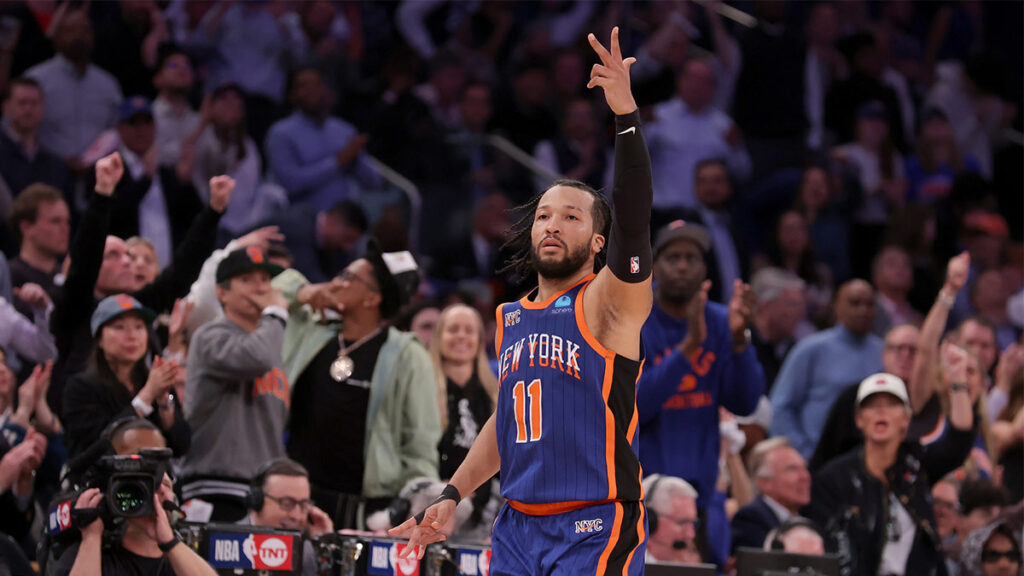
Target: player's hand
x=957, y=270
x=696, y=324
x=438, y=521
x=612, y=75
x=221, y=188
x=109, y=170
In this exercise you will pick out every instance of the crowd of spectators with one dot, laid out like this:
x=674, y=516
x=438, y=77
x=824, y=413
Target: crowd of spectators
x=206, y=247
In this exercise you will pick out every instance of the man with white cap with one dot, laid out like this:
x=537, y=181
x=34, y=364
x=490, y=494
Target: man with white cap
x=874, y=501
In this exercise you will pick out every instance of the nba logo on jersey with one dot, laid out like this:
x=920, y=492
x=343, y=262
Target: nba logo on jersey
x=634, y=265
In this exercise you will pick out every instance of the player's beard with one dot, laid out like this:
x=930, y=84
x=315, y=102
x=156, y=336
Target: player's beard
x=562, y=268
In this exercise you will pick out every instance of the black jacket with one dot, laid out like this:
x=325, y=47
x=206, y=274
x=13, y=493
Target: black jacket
x=752, y=523
x=852, y=506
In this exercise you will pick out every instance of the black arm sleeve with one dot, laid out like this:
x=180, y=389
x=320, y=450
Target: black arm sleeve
x=629, y=244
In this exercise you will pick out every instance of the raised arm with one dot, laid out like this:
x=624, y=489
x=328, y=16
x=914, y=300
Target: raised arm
x=621, y=296
x=922, y=379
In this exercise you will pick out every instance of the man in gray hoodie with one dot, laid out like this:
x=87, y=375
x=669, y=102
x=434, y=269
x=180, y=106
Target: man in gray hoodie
x=236, y=392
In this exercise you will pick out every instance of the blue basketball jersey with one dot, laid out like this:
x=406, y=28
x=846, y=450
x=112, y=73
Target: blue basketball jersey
x=566, y=415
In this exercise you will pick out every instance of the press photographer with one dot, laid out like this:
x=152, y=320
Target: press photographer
x=280, y=498
x=125, y=496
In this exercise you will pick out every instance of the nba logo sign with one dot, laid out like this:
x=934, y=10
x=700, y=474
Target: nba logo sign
x=634, y=265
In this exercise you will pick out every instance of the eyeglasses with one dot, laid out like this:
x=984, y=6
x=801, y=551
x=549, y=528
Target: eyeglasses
x=681, y=522
x=348, y=276
x=902, y=348
x=288, y=504
x=993, y=556
x=948, y=505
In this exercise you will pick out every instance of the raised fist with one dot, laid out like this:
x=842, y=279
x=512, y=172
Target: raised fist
x=109, y=170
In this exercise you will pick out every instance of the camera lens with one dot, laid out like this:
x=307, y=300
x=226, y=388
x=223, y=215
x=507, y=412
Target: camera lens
x=130, y=498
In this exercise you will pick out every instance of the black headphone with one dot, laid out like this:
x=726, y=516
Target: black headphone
x=255, y=499
x=652, y=516
x=790, y=523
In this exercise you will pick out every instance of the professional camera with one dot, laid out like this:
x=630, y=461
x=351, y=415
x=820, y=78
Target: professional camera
x=128, y=483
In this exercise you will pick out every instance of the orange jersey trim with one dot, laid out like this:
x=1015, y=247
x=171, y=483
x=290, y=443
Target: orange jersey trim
x=642, y=536
x=553, y=508
x=530, y=305
x=602, y=563
x=499, y=330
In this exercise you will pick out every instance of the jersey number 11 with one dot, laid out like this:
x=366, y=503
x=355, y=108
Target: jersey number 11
x=527, y=412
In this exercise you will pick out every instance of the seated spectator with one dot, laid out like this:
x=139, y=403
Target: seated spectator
x=946, y=506
x=116, y=381
x=892, y=274
x=477, y=254
x=672, y=519
x=577, y=153
x=797, y=535
x=148, y=544
x=784, y=484
x=821, y=366
x=225, y=147
x=360, y=380
x=780, y=317
x=791, y=250
x=31, y=409
x=31, y=340
x=822, y=206
x=992, y=551
x=989, y=294
x=279, y=498
x=312, y=154
x=82, y=99
x=101, y=267
x=875, y=164
x=981, y=502
x=322, y=241
x=421, y=320
x=41, y=223
x=18, y=464
x=700, y=360
x=881, y=492
x=23, y=159
x=237, y=394
x=467, y=392
x=930, y=172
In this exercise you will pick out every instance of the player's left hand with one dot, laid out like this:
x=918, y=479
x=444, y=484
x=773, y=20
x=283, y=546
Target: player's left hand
x=741, y=309
x=438, y=521
x=612, y=75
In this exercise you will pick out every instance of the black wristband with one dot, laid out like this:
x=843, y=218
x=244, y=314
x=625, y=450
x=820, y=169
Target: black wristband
x=449, y=493
x=166, y=547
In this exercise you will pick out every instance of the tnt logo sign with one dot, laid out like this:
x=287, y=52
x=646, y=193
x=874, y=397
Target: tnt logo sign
x=474, y=562
x=512, y=318
x=588, y=526
x=252, y=551
x=384, y=560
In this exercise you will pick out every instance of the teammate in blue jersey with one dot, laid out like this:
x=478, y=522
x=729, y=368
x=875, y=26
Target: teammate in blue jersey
x=565, y=430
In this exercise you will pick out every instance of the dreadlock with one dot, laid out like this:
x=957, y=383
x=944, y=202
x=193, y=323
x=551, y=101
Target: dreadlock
x=520, y=242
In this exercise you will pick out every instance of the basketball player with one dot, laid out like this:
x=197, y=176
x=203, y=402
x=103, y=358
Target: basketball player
x=565, y=430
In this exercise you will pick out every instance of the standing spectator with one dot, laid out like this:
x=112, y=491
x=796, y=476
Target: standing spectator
x=793, y=251
x=246, y=45
x=467, y=392
x=863, y=85
x=989, y=294
x=101, y=266
x=525, y=116
x=784, y=484
x=686, y=130
x=780, y=316
x=892, y=274
x=237, y=394
x=880, y=493
x=822, y=365
x=822, y=67
x=42, y=224
x=701, y=359
x=477, y=255
x=577, y=153
x=176, y=122
x=225, y=147
x=819, y=203
x=127, y=43
x=381, y=401
x=872, y=161
x=728, y=263
x=153, y=201
x=672, y=519
x=117, y=383
x=31, y=340
x=81, y=99
x=938, y=161
x=23, y=159
x=314, y=155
